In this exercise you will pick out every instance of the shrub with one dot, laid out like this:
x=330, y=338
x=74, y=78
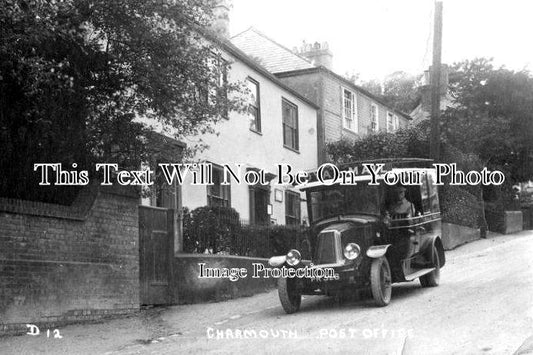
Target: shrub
x=219, y=231
x=284, y=238
x=404, y=143
x=458, y=206
x=252, y=241
x=269, y=240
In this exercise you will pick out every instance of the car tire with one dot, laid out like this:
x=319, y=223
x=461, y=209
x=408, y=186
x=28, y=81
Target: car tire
x=381, y=281
x=433, y=278
x=288, y=295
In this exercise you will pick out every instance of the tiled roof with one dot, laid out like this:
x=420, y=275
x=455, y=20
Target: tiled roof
x=270, y=54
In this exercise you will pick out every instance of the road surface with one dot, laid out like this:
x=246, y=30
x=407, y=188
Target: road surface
x=484, y=305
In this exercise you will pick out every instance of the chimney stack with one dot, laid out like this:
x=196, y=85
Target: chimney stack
x=318, y=53
x=221, y=18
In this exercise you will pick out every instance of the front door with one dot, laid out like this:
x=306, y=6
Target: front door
x=259, y=201
x=156, y=249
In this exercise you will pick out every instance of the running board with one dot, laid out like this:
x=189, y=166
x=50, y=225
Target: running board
x=417, y=274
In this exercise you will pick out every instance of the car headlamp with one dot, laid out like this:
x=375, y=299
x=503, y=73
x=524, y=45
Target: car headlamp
x=351, y=251
x=293, y=257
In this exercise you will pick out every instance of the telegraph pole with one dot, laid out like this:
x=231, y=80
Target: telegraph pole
x=434, y=149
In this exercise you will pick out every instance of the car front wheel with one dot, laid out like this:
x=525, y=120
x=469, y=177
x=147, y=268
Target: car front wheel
x=381, y=281
x=432, y=279
x=288, y=295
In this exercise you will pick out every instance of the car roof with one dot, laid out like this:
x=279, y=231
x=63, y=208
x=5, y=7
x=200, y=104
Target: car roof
x=360, y=178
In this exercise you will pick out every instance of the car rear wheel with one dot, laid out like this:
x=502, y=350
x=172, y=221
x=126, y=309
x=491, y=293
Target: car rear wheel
x=381, y=281
x=432, y=279
x=288, y=295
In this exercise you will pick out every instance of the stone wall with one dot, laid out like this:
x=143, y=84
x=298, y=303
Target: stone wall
x=454, y=235
x=513, y=222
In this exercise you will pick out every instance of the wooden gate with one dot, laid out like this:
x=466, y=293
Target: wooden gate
x=156, y=249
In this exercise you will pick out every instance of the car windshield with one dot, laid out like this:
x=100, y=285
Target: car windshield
x=344, y=200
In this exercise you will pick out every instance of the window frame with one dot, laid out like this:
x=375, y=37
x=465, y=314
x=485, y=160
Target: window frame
x=353, y=108
x=225, y=190
x=290, y=219
x=255, y=123
x=295, y=131
x=390, y=127
x=376, y=128
x=425, y=194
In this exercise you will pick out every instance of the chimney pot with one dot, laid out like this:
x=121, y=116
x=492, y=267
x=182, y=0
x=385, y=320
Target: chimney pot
x=318, y=53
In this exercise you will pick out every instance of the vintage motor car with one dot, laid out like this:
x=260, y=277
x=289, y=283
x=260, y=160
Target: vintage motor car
x=359, y=234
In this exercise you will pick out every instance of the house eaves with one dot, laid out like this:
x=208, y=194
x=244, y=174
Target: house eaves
x=345, y=82
x=231, y=49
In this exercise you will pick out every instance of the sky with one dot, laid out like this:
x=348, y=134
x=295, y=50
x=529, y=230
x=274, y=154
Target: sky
x=374, y=38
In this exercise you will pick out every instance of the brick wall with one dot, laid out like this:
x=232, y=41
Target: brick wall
x=61, y=264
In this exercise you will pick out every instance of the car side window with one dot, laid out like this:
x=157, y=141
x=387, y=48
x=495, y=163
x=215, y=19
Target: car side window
x=424, y=192
x=433, y=194
x=413, y=195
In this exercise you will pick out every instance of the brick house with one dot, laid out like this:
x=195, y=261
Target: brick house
x=346, y=110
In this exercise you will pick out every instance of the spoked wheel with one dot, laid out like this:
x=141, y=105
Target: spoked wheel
x=288, y=295
x=381, y=281
x=433, y=278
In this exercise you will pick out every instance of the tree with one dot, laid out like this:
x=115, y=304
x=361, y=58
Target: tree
x=76, y=76
x=352, y=77
x=492, y=116
x=373, y=87
x=400, y=91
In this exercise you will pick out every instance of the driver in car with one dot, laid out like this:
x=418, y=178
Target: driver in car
x=401, y=206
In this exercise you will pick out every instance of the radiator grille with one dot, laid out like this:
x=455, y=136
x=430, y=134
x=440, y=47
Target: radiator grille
x=326, y=252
